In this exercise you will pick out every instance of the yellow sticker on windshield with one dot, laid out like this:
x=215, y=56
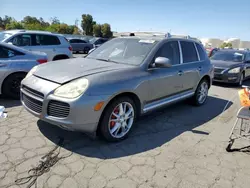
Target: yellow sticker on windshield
x=147, y=41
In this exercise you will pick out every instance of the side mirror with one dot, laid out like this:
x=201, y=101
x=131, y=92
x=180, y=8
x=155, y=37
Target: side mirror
x=162, y=62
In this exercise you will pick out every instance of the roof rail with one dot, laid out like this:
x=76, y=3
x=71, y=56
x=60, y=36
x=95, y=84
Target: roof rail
x=166, y=35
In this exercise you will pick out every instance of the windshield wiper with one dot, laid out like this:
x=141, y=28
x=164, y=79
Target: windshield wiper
x=106, y=60
x=101, y=59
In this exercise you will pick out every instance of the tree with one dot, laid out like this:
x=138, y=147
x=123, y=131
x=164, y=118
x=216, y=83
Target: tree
x=76, y=31
x=87, y=24
x=54, y=20
x=4, y=21
x=106, y=31
x=226, y=44
x=97, y=30
x=43, y=23
x=14, y=25
x=30, y=20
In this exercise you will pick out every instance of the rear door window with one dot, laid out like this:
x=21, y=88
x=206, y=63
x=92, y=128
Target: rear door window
x=21, y=40
x=171, y=51
x=201, y=52
x=189, y=53
x=46, y=40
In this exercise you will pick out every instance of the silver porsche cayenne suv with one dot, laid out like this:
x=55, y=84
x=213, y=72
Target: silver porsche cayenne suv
x=125, y=77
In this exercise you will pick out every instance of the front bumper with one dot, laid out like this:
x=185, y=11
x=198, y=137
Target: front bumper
x=71, y=114
x=227, y=78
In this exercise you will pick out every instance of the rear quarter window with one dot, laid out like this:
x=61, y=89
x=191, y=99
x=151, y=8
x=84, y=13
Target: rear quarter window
x=189, y=52
x=47, y=40
x=201, y=52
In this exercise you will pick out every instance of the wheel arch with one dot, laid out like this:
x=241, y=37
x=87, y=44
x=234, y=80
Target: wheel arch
x=129, y=94
x=8, y=75
x=208, y=79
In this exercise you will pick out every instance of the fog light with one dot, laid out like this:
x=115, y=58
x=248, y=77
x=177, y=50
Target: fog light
x=232, y=78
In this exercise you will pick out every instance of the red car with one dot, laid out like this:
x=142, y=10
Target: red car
x=211, y=51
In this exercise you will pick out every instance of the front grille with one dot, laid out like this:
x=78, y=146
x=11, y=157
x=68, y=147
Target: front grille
x=58, y=109
x=33, y=92
x=218, y=70
x=32, y=104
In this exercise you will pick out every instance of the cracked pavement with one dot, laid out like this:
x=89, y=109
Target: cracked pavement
x=177, y=147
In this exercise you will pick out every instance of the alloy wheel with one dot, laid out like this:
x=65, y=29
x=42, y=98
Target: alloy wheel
x=202, y=92
x=121, y=120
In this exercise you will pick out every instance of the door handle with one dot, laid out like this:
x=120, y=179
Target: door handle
x=199, y=68
x=180, y=73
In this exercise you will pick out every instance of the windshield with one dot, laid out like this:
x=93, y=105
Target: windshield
x=228, y=56
x=123, y=50
x=4, y=35
x=91, y=41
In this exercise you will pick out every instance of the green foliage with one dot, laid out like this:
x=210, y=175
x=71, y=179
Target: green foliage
x=76, y=31
x=106, y=31
x=87, y=24
x=4, y=21
x=54, y=20
x=14, y=25
x=97, y=30
x=225, y=44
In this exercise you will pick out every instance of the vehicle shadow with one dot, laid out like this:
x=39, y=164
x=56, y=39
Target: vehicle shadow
x=151, y=131
x=8, y=103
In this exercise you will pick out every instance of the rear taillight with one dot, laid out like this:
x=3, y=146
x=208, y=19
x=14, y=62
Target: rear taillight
x=70, y=48
x=41, y=61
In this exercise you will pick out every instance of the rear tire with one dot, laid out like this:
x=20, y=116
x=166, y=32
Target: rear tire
x=11, y=85
x=60, y=57
x=201, y=93
x=117, y=127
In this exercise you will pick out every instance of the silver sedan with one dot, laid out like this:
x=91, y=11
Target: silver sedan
x=15, y=63
x=123, y=78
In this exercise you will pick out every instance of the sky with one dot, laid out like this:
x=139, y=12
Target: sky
x=198, y=18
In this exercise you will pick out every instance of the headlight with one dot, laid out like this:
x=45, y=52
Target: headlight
x=31, y=71
x=235, y=70
x=72, y=89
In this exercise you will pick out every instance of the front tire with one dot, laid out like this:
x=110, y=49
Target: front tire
x=241, y=79
x=11, y=85
x=118, y=119
x=201, y=93
x=86, y=50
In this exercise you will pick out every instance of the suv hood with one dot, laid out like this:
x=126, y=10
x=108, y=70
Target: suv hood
x=63, y=71
x=225, y=64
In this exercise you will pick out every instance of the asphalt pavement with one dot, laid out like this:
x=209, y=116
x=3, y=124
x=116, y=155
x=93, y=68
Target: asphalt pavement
x=179, y=146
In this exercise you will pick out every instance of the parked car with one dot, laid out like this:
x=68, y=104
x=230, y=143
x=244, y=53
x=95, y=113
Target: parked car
x=211, y=51
x=123, y=78
x=231, y=66
x=97, y=41
x=80, y=45
x=15, y=63
x=56, y=46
